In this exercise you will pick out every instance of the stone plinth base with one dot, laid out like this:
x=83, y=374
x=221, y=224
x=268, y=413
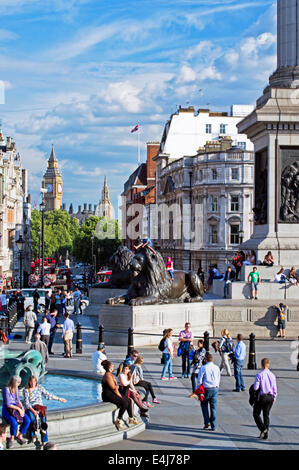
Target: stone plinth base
x=151, y=320
x=266, y=291
x=258, y=318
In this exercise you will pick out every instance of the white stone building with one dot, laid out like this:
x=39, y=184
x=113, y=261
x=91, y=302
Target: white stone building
x=187, y=131
x=15, y=213
x=213, y=194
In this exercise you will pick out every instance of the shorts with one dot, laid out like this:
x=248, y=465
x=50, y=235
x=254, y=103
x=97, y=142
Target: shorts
x=254, y=285
x=281, y=324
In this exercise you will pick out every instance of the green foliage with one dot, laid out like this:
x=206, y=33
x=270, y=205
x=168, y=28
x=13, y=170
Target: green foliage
x=60, y=231
x=64, y=233
x=103, y=245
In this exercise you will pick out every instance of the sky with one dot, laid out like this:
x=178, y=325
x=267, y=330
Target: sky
x=82, y=73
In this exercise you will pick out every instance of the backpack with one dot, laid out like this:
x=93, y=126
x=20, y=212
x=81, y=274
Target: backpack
x=161, y=346
x=228, y=346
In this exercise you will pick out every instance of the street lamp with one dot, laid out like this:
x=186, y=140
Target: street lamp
x=21, y=246
x=42, y=209
x=241, y=236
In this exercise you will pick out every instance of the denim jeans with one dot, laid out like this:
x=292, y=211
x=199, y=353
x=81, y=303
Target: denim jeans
x=167, y=365
x=238, y=366
x=185, y=362
x=211, y=396
x=226, y=289
x=13, y=423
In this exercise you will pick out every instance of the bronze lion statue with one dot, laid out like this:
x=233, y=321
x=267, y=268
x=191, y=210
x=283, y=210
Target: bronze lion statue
x=121, y=276
x=152, y=283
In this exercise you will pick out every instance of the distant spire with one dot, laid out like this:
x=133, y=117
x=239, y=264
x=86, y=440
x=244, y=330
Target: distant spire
x=52, y=156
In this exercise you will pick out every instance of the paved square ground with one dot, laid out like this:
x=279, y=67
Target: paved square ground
x=177, y=423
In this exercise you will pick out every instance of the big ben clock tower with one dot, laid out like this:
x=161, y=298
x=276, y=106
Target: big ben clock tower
x=52, y=182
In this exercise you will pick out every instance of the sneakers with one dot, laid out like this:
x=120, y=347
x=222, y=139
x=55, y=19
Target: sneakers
x=172, y=378
x=119, y=425
x=155, y=400
x=133, y=421
x=164, y=378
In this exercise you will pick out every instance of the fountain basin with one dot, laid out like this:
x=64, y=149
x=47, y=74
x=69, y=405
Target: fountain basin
x=87, y=426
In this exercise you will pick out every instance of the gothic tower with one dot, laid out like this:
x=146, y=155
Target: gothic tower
x=52, y=181
x=105, y=206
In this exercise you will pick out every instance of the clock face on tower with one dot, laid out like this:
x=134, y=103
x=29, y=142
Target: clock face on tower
x=49, y=188
x=59, y=188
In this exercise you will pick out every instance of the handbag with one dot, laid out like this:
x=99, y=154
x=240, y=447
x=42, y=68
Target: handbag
x=16, y=414
x=200, y=392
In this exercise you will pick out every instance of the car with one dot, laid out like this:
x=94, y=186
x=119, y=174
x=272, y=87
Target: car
x=28, y=294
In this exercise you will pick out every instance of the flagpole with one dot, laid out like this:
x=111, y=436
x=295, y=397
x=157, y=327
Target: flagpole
x=138, y=140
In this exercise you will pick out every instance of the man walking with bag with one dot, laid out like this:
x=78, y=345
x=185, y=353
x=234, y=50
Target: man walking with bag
x=209, y=377
x=265, y=383
x=185, y=339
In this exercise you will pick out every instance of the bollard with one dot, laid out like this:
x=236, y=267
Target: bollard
x=206, y=341
x=251, y=359
x=79, y=339
x=101, y=334
x=130, y=341
x=298, y=356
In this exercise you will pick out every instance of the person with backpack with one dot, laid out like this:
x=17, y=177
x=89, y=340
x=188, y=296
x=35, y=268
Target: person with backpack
x=226, y=348
x=282, y=311
x=199, y=360
x=239, y=358
x=167, y=347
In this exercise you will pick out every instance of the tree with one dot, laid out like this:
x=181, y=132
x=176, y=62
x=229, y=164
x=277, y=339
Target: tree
x=60, y=231
x=107, y=238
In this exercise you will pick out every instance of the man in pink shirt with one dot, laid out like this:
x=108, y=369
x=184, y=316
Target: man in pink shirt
x=265, y=383
x=186, y=338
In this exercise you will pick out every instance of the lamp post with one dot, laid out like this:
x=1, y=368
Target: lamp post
x=39, y=233
x=42, y=209
x=92, y=242
x=21, y=246
x=241, y=236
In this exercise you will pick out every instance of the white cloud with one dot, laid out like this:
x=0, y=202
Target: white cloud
x=187, y=74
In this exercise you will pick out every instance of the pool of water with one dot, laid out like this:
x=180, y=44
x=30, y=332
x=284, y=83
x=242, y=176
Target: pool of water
x=78, y=392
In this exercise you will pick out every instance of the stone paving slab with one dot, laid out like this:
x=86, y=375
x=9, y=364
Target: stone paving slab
x=177, y=423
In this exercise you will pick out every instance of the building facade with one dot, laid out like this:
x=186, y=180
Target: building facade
x=186, y=131
x=204, y=205
x=15, y=215
x=139, y=194
x=52, y=182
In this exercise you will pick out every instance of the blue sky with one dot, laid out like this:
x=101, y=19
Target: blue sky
x=82, y=73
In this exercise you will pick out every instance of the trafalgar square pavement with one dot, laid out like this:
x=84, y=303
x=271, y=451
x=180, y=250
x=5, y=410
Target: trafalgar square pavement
x=176, y=424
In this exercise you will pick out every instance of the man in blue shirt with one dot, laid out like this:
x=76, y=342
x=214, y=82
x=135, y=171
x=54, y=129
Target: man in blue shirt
x=209, y=376
x=239, y=358
x=53, y=320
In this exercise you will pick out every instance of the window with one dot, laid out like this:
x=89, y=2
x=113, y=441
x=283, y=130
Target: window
x=208, y=128
x=235, y=173
x=10, y=239
x=234, y=203
x=213, y=234
x=213, y=203
x=10, y=216
x=214, y=174
x=222, y=128
x=234, y=235
x=242, y=145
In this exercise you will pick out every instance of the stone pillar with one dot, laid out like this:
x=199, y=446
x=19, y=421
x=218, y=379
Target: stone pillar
x=287, y=33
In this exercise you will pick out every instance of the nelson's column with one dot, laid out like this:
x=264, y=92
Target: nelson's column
x=273, y=127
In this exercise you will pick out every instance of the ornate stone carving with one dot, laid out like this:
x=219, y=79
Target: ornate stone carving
x=261, y=189
x=289, y=210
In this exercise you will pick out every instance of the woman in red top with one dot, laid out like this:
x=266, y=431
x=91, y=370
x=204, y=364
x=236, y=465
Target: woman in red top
x=169, y=266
